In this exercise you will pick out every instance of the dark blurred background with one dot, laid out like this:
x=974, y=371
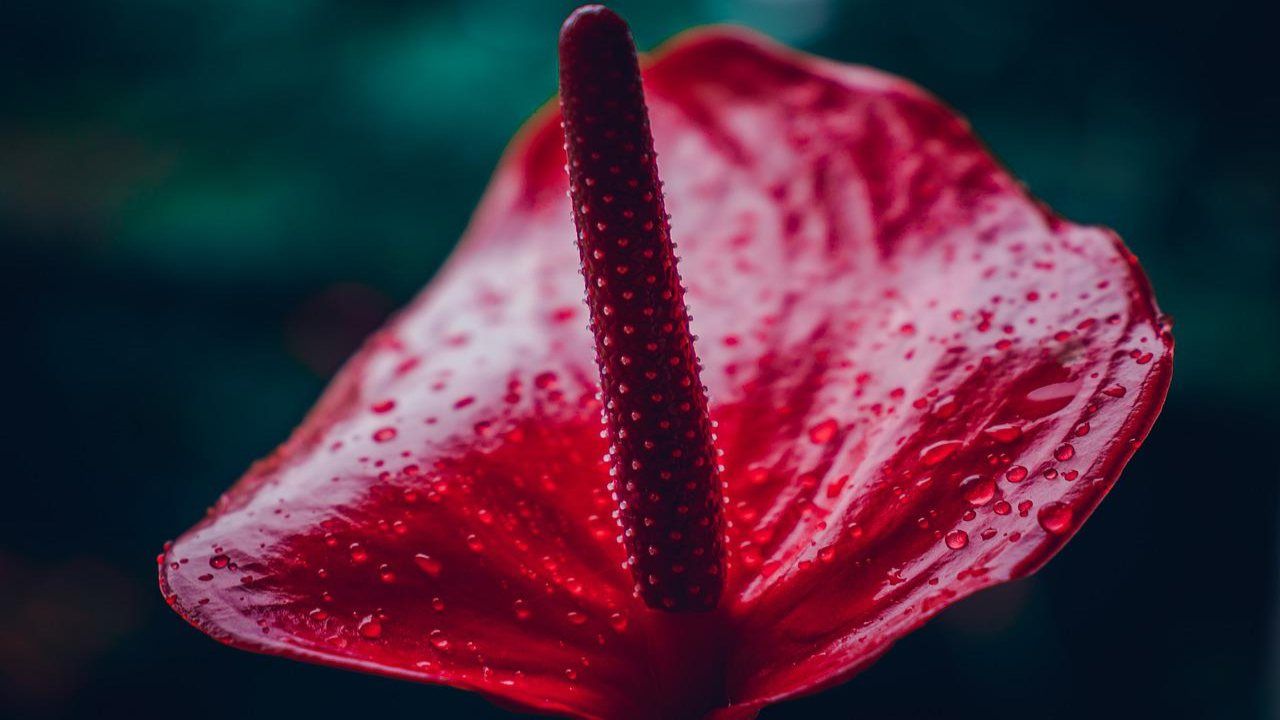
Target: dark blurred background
x=205, y=205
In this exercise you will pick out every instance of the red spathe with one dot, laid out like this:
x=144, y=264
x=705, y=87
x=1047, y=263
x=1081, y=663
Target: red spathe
x=923, y=383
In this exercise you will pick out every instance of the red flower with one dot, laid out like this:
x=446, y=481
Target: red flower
x=922, y=381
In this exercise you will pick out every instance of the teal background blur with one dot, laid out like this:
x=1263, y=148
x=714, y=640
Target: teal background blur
x=205, y=205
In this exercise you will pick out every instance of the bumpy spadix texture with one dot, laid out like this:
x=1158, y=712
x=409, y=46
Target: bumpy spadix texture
x=661, y=451
x=924, y=383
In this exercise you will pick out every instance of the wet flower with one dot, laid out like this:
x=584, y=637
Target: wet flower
x=919, y=382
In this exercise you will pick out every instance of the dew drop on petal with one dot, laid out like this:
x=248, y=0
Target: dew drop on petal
x=1005, y=433
x=939, y=451
x=957, y=539
x=427, y=564
x=823, y=431
x=370, y=627
x=978, y=490
x=1115, y=391
x=438, y=640
x=618, y=622
x=358, y=553
x=1046, y=400
x=1055, y=518
x=386, y=574
x=945, y=407
x=522, y=610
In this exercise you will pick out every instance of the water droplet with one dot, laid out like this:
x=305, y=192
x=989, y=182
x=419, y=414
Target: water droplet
x=957, y=539
x=1016, y=474
x=1055, y=518
x=386, y=434
x=1049, y=399
x=219, y=561
x=1005, y=433
x=618, y=622
x=945, y=407
x=383, y=406
x=1064, y=452
x=978, y=490
x=358, y=553
x=522, y=610
x=370, y=628
x=1115, y=391
x=939, y=451
x=823, y=431
x=427, y=564
x=438, y=640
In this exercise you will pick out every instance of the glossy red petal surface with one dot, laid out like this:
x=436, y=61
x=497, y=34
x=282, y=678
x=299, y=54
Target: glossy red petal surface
x=924, y=382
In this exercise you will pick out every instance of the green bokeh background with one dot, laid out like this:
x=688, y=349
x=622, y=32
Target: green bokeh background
x=205, y=205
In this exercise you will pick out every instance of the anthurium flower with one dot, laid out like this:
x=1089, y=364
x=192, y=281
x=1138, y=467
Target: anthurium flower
x=919, y=382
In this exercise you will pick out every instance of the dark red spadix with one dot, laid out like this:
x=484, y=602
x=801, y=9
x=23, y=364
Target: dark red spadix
x=664, y=465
